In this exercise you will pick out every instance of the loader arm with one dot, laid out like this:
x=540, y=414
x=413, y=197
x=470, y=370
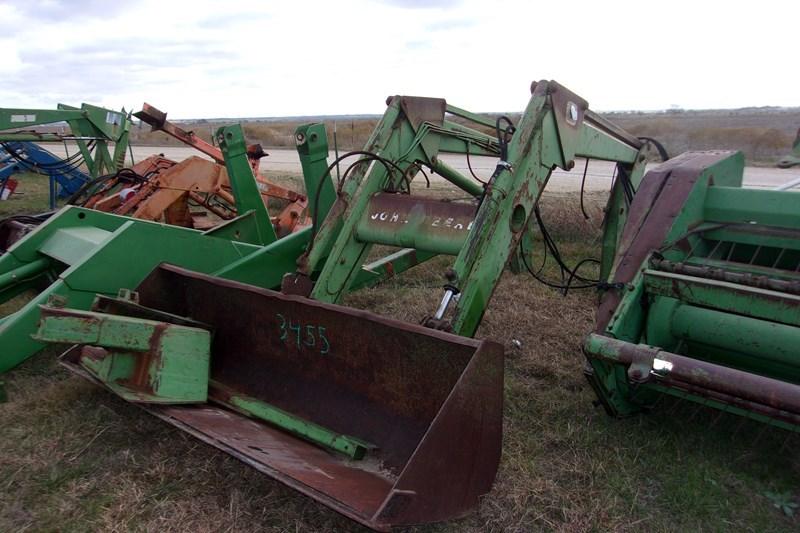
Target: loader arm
x=555, y=128
x=88, y=124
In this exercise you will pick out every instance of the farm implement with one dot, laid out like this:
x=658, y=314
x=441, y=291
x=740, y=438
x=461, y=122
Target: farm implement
x=100, y=135
x=386, y=422
x=78, y=252
x=705, y=304
x=203, y=183
x=16, y=157
x=195, y=193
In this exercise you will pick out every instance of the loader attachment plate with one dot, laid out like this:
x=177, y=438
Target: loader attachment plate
x=428, y=403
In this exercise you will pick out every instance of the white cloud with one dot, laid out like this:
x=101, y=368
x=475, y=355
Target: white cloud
x=209, y=58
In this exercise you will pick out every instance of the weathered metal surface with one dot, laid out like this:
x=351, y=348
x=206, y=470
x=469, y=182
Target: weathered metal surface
x=420, y=110
x=706, y=275
x=141, y=360
x=127, y=304
x=309, y=469
x=742, y=299
x=11, y=231
x=287, y=220
x=769, y=348
x=660, y=197
x=720, y=274
x=245, y=190
x=352, y=447
x=88, y=123
x=568, y=111
x=407, y=221
x=731, y=382
x=430, y=402
x=158, y=121
x=117, y=252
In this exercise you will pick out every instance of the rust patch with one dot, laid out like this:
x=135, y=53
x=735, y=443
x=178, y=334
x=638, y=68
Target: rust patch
x=430, y=401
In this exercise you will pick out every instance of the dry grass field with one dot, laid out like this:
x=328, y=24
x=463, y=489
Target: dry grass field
x=74, y=457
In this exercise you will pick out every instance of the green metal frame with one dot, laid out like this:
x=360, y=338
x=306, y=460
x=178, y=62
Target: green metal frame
x=555, y=128
x=143, y=360
x=81, y=253
x=87, y=123
x=726, y=306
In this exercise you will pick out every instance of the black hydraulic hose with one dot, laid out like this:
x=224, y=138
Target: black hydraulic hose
x=662, y=152
x=583, y=185
x=369, y=156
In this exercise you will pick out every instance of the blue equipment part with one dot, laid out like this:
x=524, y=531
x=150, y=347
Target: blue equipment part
x=65, y=175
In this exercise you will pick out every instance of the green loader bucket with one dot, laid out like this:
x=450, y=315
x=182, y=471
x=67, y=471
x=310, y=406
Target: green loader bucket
x=386, y=422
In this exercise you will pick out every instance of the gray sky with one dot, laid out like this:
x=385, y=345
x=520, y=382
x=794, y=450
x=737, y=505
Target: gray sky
x=204, y=58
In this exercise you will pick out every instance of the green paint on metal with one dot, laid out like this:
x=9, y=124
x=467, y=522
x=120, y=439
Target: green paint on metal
x=550, y=133
x=82, y=253
x=142, y=360
x=71, y=245
x=754, y=302
x=721, y=288
x=312, y=145
x=353, y=447
x=456, y=178
x=87, y=123
x=752, y=206
x=240, y=174
x=547, y=136
x=123, y=259
x=732, y=409
x=423, y=224
x=389, y=266
x=766, y=348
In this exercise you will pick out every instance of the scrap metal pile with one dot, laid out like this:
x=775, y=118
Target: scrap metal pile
x=236, y=334
x=195, y=193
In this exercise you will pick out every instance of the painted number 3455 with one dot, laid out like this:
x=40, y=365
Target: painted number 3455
x=300, y=335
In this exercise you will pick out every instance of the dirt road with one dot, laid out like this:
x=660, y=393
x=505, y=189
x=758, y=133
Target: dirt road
x=598, y=176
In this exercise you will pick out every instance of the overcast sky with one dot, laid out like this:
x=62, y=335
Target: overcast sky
x=231, y=58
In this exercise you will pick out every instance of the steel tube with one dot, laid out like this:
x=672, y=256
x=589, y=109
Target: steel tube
x=456, y=178
x=746, y=405
x=762, y=339
x=751, y=387
x=413, y=222
x=590, y=117
x=24, y=272
x=720, y=274
x=444, y=304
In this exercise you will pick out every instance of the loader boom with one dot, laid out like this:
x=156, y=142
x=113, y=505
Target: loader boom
x=555, y=128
